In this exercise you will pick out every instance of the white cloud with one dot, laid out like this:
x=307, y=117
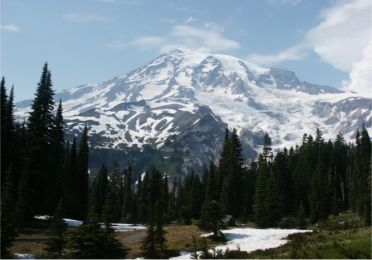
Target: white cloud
x=190, y=19
x=9, y=28
x=207, y=38
x=84, y=17
x=342, y=39
x=360, y=75
x=343, y=33
x=296, y=52
x=143, y=42
x=183, y=36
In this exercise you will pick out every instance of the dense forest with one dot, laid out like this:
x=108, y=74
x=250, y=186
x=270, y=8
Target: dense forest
x=43, y=174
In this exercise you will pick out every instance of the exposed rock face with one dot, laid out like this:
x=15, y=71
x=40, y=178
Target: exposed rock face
x=174, y=110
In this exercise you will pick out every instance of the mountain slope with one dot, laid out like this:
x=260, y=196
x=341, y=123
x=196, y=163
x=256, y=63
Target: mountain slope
x=180, y=103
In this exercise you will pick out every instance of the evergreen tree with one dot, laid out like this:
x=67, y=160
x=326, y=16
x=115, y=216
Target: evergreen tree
x=7, y=129
x=128, y=195
x=90, y=241
x=211, y=213
x=148, y=244
x=82, y=176
x=261, y=206
x=319, y=188
x=117, y=191
x=23, y=212
x=153, y=246
x=4, y=152
x=57, y=234
x=339, y=165
x=40, y=125
x=235, y=193
x=99, y=192
x=54, y=178
x=159, y=233
x=8, y=229
x=249, y=184
x=70, y=182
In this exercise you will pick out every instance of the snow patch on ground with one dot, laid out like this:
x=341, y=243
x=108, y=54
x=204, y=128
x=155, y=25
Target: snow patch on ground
x=24, y=256
x=251, y=239
x=118, y=227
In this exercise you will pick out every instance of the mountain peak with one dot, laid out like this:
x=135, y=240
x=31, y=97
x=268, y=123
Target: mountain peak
x=159, y=103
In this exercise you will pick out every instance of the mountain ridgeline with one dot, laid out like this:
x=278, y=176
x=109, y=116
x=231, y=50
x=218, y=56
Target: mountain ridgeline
x=42, y=173
x=172, y=112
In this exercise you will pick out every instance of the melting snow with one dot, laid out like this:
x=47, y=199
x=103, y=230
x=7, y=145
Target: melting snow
x=251, y=239
x=118, y=227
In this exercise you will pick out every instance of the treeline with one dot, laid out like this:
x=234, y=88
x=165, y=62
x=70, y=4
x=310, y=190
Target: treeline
x=38, y=167
x=288, y=188
x=40, y=170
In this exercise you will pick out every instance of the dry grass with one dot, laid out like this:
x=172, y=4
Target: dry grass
x=179, y=238
x=30, y=242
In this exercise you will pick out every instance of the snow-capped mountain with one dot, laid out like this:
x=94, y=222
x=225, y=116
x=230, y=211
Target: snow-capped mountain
x=181, y=102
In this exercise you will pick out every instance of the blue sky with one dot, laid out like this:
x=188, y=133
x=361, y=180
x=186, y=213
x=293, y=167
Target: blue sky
x=85, y=41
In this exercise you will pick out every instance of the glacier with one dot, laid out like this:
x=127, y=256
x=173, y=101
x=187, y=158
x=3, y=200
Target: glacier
x=182, y=101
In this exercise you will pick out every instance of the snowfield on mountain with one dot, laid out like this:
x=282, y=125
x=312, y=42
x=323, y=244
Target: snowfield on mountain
x=184, y=97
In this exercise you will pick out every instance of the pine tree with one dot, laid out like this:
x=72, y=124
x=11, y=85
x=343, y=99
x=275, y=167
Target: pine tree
x=54, y=178
x=128, y=196
x=4, y=152
x=8, y=229
x=301, y=216
x=57, y=234
x=99, y=192
x=363, y=171
x=7, y=130
x=148, y=244
x=250, y=182
x=70, y=181
x=107, y=211
x=261, y=206
x=153, y=246
x=82, y=176
x=235, y=192
x=40, y=125
x=211, y=214
x=117, y=191
x=90, y=241
x=23, y=212
x=159, y=233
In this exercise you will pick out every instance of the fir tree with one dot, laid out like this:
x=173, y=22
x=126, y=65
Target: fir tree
x=40, y=125
x=57, y=234
x=128, y=196
x=90, y=241
x=148, y=244
x=82, y=176
x=70, y=181
x=261, y=206
x=8, y=228
x=23, y=212
x=117, y=191
x=211, y=214
x=99, y=192
x=7, y=129
x=54, y=178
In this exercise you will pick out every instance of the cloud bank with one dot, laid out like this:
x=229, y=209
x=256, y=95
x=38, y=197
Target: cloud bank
x=208, y=38
x=342, y=39
x=9, y=28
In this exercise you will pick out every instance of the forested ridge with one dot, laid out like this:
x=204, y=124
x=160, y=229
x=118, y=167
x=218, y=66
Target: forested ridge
x=43, y=174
